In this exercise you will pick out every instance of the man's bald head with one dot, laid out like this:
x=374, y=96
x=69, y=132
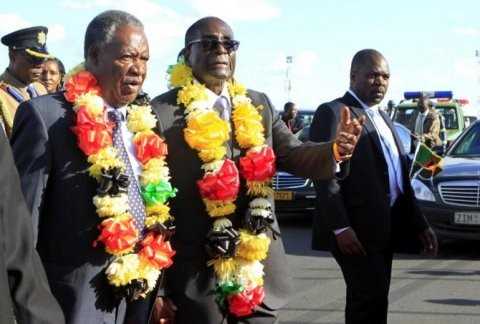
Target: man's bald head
x=365, y=57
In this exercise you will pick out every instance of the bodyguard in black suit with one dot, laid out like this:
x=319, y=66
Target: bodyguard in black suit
x=370, y=214
x=55, y=179
x=24, y=293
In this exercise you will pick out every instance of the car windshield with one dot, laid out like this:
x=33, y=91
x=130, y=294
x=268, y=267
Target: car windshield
x=405, y=116
x=450, y=116
x=469, y=144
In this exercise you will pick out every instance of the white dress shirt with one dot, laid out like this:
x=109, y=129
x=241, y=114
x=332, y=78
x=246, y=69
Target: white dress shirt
x=127, y=137
x=419, y=122
x=212, y=99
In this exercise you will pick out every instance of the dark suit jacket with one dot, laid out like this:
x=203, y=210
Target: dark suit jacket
x=25, y=295
x=59, y=192
x=362, y=199
x=189, y=273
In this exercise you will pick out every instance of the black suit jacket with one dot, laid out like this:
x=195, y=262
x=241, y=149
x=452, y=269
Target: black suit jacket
x=189, y=274
x=362, y=200
x=25, y=295
x=59, y=193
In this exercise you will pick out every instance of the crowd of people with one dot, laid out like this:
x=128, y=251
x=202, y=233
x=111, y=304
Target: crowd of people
x=119, y=209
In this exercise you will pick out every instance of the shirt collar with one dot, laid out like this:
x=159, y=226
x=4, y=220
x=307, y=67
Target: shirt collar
x=212, y=96
x=123, y=109
x=364, y=105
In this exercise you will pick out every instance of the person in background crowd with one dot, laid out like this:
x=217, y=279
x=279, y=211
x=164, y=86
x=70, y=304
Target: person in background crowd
x=53, y=72
x=27, y=50
x=427, y=124
x=291, y=119
x=365, y=217
x=25, y=297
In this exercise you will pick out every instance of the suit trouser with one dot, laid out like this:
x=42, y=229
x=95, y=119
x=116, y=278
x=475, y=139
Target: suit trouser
x=368, y=282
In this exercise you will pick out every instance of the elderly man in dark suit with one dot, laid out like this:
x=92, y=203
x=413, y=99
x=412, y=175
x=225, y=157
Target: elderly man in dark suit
x=55, y=178
x=25, y=295
x=371, y=213
x=210, y=50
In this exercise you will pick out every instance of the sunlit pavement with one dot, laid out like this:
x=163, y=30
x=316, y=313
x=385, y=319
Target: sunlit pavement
x=443, y=290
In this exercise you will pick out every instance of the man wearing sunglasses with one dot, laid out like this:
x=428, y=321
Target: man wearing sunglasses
x=210, y=51
x=27, y=51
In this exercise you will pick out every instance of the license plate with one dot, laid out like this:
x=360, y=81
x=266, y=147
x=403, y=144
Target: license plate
x=467, y=218
x=283, y=195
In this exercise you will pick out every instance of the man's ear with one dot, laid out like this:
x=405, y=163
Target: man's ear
x=93, y=56
x=186, y=56
x=11, y=55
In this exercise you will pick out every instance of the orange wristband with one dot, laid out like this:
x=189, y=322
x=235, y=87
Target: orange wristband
x=336, y=154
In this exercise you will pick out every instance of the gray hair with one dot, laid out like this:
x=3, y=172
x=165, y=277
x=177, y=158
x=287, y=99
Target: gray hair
x=102, y=28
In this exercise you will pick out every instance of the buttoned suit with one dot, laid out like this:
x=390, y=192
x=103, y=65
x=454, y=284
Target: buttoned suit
x=190, y=283
x=362, y=201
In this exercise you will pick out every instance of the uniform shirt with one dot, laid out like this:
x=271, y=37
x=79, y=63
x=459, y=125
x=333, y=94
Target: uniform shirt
x=12, y=93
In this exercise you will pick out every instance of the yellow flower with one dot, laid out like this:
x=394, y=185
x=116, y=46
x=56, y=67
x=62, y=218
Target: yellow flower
x=123, y=270
x=154, y=171
x=219, y=209
x=249, y=273
x=150, y=274
x=253, y=247
x=224, y=268
x=206, y=131
x=180, y=75
x=157, y=214
x=140, y=118
x=94, y=104
x=191, y=92
x=105, y=159
x=214, y=154
x=259, y=188
x=248, y=125
x=236, y=89
x=110, y=206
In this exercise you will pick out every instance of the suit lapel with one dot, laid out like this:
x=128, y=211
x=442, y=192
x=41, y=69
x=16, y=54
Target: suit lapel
x=368, y=127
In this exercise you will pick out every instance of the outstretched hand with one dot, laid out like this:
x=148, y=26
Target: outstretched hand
x=348, y=133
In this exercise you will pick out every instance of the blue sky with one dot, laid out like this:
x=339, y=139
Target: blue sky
x=430, y=45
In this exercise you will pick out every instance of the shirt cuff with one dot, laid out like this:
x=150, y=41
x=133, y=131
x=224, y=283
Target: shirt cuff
x=340, y=230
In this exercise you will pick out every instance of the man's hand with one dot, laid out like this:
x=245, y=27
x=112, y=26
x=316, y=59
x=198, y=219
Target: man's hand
x=429, y=241
x=349, y=244
x=348, y=132
x=163, y=311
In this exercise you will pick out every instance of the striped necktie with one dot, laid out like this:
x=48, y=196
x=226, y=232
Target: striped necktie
x=135, y=201
x=222, y=107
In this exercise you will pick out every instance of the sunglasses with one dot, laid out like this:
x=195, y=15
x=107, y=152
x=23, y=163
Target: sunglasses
x=210, y=44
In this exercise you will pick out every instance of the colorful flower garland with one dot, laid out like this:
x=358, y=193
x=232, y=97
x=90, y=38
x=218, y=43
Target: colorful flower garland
x=236, y=256
x=138, y=259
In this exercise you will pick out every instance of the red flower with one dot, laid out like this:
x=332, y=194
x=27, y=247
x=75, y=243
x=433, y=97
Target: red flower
x=92, y=135
x=242, y=304
x=79, y=84
x=149, y=146
x=221, y=185
x=156, y=251
x=117, y=236
x=258, y=166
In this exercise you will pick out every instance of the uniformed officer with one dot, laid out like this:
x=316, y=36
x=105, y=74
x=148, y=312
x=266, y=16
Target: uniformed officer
x=26, y=50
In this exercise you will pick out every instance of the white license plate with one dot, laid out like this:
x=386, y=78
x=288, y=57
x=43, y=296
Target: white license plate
x=467, y=218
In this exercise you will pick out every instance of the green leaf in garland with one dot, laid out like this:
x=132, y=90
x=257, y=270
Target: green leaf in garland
x=158, y=193
x=226, y=289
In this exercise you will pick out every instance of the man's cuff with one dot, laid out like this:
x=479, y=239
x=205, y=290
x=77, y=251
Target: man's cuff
x=340, y=230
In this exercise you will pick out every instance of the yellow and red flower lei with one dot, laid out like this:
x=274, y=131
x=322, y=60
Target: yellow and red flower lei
x=239, y=277
x=137, y=261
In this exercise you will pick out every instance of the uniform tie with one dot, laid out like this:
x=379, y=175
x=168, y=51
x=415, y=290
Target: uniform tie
x=135, y=201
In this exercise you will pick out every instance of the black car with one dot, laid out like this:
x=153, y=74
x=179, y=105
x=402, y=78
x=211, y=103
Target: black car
x=451, y=199
x=294, y=194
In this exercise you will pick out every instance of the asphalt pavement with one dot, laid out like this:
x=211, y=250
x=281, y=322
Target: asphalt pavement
x=441, y=290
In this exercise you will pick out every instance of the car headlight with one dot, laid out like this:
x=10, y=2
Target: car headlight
x=422, y=192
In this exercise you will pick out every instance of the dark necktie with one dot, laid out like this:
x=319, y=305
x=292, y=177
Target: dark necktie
x=137, y=208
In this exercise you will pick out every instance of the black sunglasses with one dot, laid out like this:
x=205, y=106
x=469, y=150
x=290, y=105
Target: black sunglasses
x=210, y=44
